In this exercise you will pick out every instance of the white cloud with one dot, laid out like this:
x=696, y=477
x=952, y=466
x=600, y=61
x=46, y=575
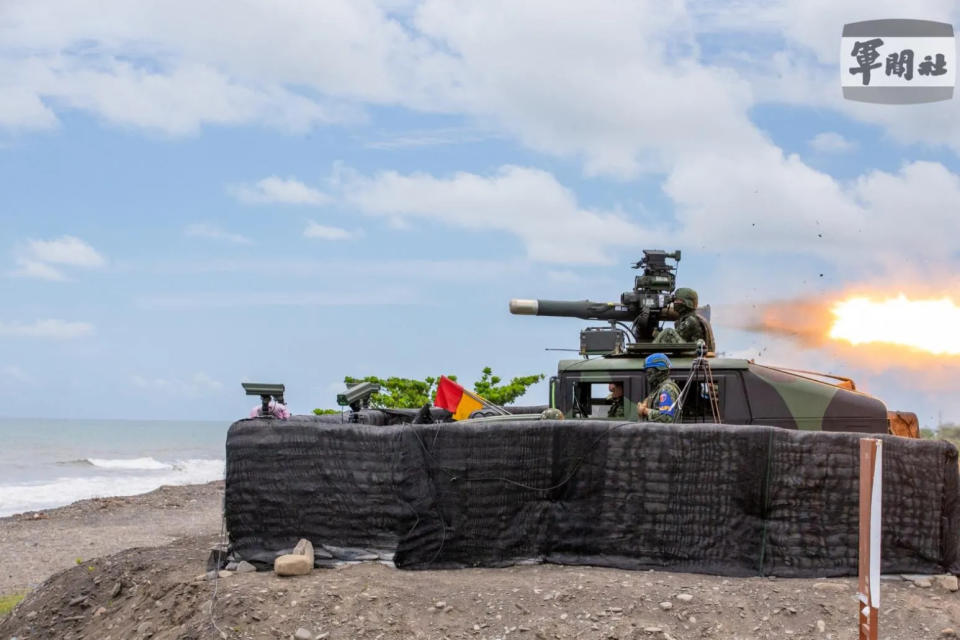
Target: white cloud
x=13, y=373
x=831, y=142
x=527, y=203
x=275, y=190
x=23, y=109
x=322, y=232
x=296, y=65
x=774, y=204
x=53, y=329
x=37, y=257
x=195, y=385
x=27, y=268
x=299, y=65
x=203, y=230
x=752, y=199
x=66, y=250
x=175, y=102
x=805, y=69
x=147, y=67
x=816, y=24
x=617, y=83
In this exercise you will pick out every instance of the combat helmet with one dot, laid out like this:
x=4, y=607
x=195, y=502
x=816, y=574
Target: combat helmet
x=687, y=296
x=656, y=361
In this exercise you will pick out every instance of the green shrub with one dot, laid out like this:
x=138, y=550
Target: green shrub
x=405, y=393
x=9, y=601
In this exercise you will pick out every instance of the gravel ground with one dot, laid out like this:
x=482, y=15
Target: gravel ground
x=161, y=591
x=41, y=546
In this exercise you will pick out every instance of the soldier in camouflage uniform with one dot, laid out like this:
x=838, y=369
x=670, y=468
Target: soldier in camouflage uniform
x=616, y=400
x=689, y=326
x=661, y=404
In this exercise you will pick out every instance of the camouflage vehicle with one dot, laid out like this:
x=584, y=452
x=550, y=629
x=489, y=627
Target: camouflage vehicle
x=716, y=389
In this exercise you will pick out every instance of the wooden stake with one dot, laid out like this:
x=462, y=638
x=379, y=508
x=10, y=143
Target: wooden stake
x=871, y=494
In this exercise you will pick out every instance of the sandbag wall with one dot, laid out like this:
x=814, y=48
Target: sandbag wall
x=703, y=498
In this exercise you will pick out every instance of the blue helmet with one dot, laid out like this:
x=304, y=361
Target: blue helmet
x=656, y=361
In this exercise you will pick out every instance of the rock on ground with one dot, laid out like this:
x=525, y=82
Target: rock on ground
x=292, y=565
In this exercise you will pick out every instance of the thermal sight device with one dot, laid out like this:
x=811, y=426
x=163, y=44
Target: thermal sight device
x=357, y=396
x=266, y=391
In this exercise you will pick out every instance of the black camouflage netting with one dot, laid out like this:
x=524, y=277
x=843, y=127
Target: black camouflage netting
x=715, y=499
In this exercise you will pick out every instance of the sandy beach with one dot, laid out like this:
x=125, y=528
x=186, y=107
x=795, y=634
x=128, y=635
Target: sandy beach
x=142, y=576
x=46, y=542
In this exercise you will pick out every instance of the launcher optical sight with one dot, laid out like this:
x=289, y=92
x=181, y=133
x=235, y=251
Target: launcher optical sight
x=358, y=396
x=265, y=391
x=649, y=303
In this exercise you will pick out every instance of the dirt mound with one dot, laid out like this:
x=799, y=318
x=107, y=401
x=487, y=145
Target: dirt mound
x=138, y=593
x=161, y=593
x=47, y=542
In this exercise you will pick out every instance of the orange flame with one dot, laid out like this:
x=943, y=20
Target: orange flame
x=928, y=325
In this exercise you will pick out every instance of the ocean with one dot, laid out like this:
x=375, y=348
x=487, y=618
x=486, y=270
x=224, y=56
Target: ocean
x=51, y=463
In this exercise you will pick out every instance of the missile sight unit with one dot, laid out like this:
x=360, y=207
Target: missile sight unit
x=634, y=321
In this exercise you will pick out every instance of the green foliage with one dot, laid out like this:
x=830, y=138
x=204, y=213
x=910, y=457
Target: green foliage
x=486, y=387
x=9, y=601
x=400, y=393
x=405, y=393
x=325, y=412
x=949, y=432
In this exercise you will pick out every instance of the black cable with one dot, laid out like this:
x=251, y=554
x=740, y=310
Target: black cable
x=216, y=578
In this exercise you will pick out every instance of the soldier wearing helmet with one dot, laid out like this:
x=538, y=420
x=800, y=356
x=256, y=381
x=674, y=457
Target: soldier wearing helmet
x=661, y=404
x=551, y=414
x=616, y=400
x=689, y=326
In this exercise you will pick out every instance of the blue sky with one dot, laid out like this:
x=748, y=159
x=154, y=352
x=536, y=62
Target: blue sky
x=294, y=193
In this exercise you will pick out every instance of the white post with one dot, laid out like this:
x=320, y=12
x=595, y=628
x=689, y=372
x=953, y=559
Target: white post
x=871, y=498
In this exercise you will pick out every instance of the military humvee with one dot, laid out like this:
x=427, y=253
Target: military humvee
x=728, y=390
x=745, y=393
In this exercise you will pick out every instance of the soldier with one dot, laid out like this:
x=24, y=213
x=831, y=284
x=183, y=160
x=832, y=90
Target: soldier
x=690, y=326
x=616, y=400
x=551, y=414
x=660, y=405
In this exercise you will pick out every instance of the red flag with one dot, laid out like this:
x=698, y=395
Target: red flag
x=454, y=398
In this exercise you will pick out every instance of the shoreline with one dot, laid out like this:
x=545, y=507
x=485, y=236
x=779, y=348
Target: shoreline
x=104, y=483
x=41, y=546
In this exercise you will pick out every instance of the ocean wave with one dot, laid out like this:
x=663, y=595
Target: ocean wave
x=79, y=462
x=127, y=464
x=130, y=464
x=36, y=496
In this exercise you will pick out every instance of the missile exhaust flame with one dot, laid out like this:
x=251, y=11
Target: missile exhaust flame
x=869, y=325
x=926, y=325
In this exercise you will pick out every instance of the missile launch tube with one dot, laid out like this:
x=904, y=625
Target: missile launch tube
x=584, y=309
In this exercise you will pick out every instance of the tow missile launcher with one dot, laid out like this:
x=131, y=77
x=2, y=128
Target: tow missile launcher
x=731, y=390
x=644, y=308
x=637, y=316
